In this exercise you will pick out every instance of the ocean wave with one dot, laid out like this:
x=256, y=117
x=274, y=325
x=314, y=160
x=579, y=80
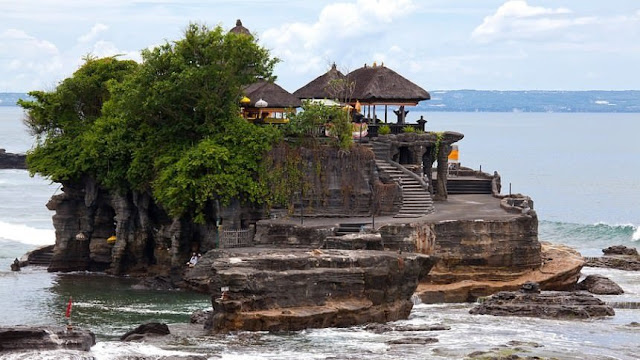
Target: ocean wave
x=600, y=232
x=129, y=309
x=27, y=235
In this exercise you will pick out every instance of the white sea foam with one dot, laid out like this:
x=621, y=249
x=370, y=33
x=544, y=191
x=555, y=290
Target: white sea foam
x=26, y=235
x=636, y=235
x=116, y=350
x=130, y=309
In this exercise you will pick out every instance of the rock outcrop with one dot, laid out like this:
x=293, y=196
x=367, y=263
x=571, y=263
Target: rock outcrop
x=600, y=285
x=17, y=338
x=617, y=257
x=145, y=330
x=551, y=305
x=12, y=161
x=260, y=289
x=560, y=270
x=620, y=250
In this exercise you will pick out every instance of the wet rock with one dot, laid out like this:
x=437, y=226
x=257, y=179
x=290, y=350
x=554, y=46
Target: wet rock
x=44, y=338
x=600, y=285
x=383, y=328
x=144, y=330
x=530, y=287
x=553, y=305
x=156, y=283
x=617, y=257
x=200, y=317
x=620, y=250
x=15, y=266
x=413, y=341
x=620, y=262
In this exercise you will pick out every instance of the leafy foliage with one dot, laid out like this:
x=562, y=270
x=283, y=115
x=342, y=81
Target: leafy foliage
x=60, y=119
x=384, y=130
x=169, y=126
x=314, y=116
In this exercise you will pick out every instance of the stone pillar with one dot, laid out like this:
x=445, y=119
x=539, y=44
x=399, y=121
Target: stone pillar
x=443, y=165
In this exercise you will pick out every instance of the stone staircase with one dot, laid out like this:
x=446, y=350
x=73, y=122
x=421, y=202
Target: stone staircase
x=457, y=186
x=349, y=228
x=41, y=256
x=416, y=199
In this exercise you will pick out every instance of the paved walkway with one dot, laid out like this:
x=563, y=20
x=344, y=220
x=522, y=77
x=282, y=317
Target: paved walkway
x=457, y=207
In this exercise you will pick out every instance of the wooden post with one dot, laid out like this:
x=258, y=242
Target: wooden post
x=385, y=114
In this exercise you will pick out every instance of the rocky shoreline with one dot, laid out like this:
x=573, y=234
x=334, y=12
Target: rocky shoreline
x=24, y=337
x=12, y=161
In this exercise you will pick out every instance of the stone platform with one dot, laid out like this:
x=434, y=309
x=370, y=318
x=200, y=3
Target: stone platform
x=276, y=289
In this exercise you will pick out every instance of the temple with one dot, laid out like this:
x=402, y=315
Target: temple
x=362, y=232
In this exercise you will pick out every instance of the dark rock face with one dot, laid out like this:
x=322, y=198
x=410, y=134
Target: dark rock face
x=12, y=161
x=294, y=289
x=15, y=266
x=620, y=250
x=144, y=330
x=413, y=341
x=617, y=257
x=600, y=285
x=201, y=317
x=44, y=338
x=147, y=240
x=384, y=328
x=551, y=305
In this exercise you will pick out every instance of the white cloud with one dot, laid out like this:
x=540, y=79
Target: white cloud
x=17, y=40
x=308, y=47
x=95, y=30
x=106, y=48
x=516, y=19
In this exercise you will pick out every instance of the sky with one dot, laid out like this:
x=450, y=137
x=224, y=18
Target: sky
x=438, y=44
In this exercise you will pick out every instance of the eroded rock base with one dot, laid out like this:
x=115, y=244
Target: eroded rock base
x=559, y=271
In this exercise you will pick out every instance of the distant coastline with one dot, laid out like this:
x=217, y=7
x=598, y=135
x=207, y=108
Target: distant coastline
x=599, y=101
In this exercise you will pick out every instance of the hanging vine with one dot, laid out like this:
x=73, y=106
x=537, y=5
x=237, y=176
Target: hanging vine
x=436, y=148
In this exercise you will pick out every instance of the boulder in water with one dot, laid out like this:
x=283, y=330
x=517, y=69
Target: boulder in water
x=16, y=338
x=552, y=305
x=600, y=285
x=144, y=330
x=620, y=250
x=15, y=266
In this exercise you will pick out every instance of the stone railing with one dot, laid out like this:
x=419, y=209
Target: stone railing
x=396, y=129
x=236, y=238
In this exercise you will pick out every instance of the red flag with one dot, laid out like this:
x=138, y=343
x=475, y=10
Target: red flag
x=69, y=305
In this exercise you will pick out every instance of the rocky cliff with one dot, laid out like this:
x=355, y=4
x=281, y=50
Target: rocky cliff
x=126, y=233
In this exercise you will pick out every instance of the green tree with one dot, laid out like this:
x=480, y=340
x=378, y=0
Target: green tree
x=61, y=119
x=169, y=126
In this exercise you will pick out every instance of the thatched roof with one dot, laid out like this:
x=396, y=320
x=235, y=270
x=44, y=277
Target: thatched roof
x=379, y=84
x=273, y=94
x=239, y=29
x=320, y=88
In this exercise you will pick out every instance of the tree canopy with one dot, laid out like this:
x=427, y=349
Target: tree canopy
x=170, y=126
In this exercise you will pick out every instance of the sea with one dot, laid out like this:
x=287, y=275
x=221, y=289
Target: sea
x=581, y=169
